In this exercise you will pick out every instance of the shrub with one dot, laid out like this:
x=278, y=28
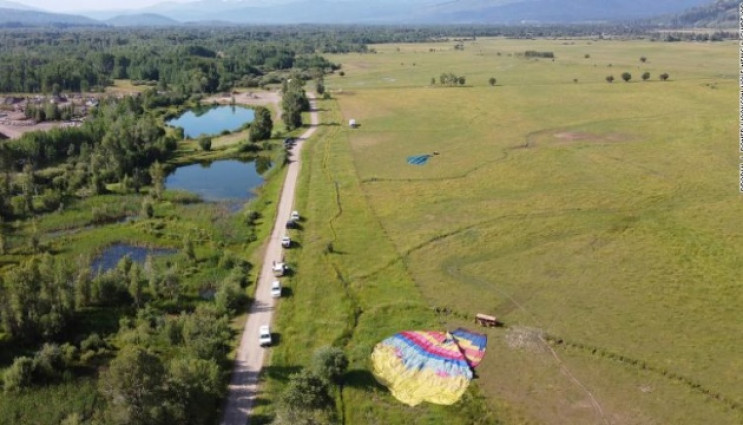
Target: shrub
x=92, y=342
x=205, y=143
x=19, y=375
x=148, y=210
x=48, y=362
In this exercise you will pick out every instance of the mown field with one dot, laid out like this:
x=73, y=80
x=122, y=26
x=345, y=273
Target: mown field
x=596, y=220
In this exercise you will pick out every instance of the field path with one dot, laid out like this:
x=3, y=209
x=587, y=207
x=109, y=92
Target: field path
x=249, y=359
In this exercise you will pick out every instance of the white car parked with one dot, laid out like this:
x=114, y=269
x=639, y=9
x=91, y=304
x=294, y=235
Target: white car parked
x=276, y=289
x=295, y=215
x=286, y=241
x=264, y=336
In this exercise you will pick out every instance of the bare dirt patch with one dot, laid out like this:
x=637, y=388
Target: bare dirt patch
x=257, y=98
x=14, y=131
x=575, y=136
x=526, y=339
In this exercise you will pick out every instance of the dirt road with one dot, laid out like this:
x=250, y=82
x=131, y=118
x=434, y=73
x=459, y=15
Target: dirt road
x=249, y=360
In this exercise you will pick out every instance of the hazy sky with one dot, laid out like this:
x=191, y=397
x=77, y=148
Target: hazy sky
x=73, y=5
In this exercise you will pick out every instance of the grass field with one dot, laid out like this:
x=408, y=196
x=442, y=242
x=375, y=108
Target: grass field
x=596, y=220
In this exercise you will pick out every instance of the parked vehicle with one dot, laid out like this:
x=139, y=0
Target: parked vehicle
x=286, y=241
x=279, y=269
x=276, y=289
x=295, y=215
x=264, y=336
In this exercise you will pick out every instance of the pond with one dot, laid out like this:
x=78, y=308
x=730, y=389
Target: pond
x=111, y=256
x=225, y=180
x=212, y=120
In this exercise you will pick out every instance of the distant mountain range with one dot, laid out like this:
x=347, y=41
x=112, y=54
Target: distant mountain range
x=720, y=14
x=18, y=17
x=141, y=20
x=364, y=11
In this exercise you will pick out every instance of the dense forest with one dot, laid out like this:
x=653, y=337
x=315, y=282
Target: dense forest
x=194, y=60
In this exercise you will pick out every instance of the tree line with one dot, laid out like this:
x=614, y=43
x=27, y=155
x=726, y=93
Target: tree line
x=195, y=60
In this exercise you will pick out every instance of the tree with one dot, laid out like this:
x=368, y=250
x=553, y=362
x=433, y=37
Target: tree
x=492, y=81
x=133, y=387
x=330, y=363
x=262, y=125
x=626, y=76
x=664, y=76
x=188, y=248
x=609, y=78
x=157, y=174
x=229, y=295
x=643, y=59
x=305, y=401
x=320, y=86
x=136, y=284
x=461, y=80
x=194, y=389
x=645, y=76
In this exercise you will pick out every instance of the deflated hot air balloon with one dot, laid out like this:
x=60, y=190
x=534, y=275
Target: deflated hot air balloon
x=428, y=366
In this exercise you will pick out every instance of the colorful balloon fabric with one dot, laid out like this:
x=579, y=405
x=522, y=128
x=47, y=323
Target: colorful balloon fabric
x=429, y=366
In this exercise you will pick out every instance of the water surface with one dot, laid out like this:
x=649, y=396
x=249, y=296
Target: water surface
x=225, y=180
x=111, y=256
x=212, y=120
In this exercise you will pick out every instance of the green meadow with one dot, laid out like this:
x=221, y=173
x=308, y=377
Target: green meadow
x=597, y=221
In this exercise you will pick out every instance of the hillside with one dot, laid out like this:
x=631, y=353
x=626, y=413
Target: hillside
x=421, y=11
x=142, y=20
x=720, y=14
x=16, y=17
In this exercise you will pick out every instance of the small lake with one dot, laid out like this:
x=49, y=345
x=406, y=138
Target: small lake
x=212, y=120
x=225, y=180
x=111, y=256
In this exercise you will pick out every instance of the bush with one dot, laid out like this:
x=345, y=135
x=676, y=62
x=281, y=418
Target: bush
x=148, y=210
x=626, y=76
x=48, y=362
x=205, y=143
x=19, y=375
x=93, y=342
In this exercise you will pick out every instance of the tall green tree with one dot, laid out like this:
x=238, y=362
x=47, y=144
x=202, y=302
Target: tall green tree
x=133, y=388
x=262, y=125
x=157, y=174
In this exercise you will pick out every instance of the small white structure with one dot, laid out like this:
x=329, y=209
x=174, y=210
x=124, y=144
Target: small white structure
x=352, y=123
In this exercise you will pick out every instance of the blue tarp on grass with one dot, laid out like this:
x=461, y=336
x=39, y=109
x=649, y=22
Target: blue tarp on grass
x=418, y=159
